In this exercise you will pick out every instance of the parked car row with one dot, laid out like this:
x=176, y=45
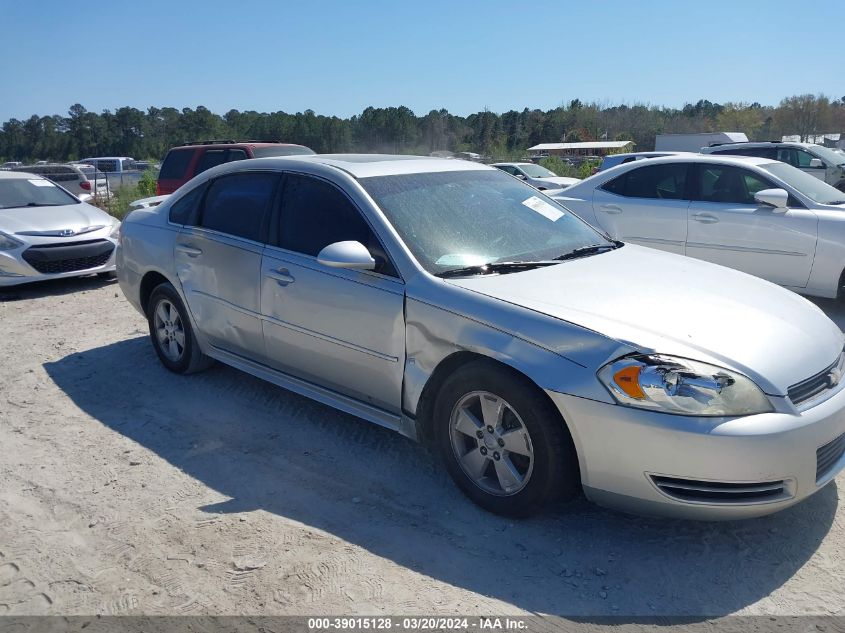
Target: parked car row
x=531, y=339
x=460, y=306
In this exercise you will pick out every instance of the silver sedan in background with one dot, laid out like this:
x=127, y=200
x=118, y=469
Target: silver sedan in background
x=457, y=305
x=47, y=233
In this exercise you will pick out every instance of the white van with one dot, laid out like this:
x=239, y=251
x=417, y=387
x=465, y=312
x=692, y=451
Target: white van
x=110, y=164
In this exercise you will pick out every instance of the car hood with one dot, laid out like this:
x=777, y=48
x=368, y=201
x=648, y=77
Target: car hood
x=660, y=302
x=559, y=181
x=74, y=217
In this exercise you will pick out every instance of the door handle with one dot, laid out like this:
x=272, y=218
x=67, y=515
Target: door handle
x=705, y=218
x=189, y=250
x=282, y=276
x=611, y=208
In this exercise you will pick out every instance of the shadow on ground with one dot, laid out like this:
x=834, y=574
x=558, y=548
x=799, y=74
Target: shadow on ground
x=269, y=449
x=54, y=287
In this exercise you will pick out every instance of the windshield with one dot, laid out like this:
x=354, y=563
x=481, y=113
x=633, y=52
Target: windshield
x=815, y=189
x=536, y=171
x=831, y=157
x=32, y=192
x=455, y=219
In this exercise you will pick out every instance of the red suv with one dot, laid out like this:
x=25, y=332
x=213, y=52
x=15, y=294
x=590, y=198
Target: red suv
x=186, y=161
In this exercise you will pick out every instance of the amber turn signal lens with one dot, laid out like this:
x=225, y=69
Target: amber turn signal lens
x=628, y=380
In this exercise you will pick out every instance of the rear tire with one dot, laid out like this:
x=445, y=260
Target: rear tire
x=526, y=461
x=171, y=332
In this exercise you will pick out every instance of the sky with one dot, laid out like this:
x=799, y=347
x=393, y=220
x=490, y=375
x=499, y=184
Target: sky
x=337, y=58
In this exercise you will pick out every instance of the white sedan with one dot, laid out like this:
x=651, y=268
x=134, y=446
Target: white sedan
x=760, y=216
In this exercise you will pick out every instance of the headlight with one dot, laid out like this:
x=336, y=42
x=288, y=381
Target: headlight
x=115, y=231
x=683, y=387
x=8, y=243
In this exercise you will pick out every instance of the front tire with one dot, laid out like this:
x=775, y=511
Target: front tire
x=171, y=332
x=503, y=442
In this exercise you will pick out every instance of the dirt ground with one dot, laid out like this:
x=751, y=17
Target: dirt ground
x=125, y=489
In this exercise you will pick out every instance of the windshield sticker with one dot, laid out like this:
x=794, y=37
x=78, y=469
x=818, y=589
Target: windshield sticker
x=543, y=208
x=40, y=182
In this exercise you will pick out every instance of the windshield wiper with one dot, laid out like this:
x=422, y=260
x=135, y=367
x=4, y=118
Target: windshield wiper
x=584, y=251
x=493, y=267
x=41, y=204
x=837, y=202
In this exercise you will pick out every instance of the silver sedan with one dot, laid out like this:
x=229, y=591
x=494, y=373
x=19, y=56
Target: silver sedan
x=458, y=306
x=47, y=233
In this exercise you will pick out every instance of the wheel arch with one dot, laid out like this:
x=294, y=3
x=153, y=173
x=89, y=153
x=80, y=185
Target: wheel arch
x=448, y=366
x=149, y=281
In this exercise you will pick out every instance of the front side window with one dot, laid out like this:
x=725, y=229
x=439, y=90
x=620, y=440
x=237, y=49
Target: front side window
x=237, y=204
x=211, y=158
x=661, y=182
x=316, y=214
x=726, y=183
x=454, y=219
x=236, y=154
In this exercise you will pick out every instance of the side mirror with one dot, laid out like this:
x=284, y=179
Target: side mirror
x=776, y=198
x=816, y=163
x=352, y=255
x=520, y=176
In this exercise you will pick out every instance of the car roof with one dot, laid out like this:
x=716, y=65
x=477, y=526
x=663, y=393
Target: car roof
x=690, y=157
x=367, y=165
x=524, y=162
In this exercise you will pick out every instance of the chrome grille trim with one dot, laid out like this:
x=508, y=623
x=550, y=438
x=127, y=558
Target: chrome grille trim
x=812, y=386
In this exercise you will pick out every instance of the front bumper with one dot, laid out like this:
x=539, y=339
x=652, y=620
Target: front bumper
x=63, y=260
x=624, y=453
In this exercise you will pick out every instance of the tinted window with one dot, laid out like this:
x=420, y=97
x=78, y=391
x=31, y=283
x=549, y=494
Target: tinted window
x=665, y=182
x=316, y=214
x=281, y=150
x=176, y=164
x=183, y=210
x=723, y=183
x=237, y=204
x=211, y=158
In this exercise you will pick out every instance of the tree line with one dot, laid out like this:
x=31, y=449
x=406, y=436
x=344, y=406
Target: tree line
x=141, y=134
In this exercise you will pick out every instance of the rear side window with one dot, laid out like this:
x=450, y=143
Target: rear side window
x=236, y=154
x=210, y=158
x=661, y=182
x=183, y=210
x=176, y=164
x=237, y=204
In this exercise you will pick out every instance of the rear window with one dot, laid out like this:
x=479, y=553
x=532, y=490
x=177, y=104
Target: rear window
x=176, y=164
x=282, y=150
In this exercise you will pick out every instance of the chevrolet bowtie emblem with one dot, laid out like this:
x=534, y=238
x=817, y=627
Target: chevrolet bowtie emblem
x=67, y=232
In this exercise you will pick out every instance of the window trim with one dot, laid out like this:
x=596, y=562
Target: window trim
x=275, y=226
x=199, y=212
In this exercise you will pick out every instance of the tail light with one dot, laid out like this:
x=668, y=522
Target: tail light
x=85, y=184
x=158, y=189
